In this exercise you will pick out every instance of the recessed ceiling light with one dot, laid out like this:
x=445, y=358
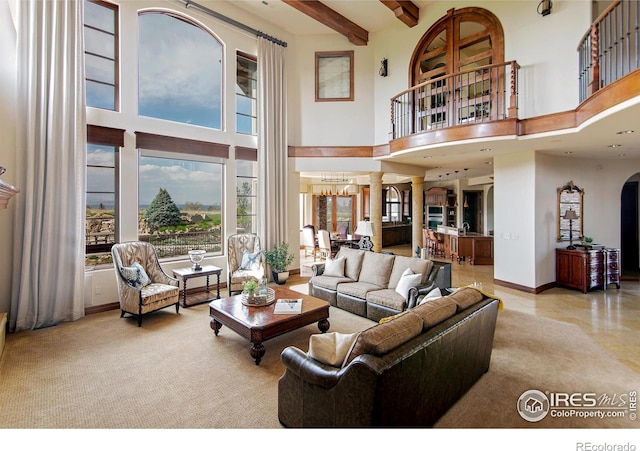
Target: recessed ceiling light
x=568, y=152
x=486, y=149
x=614, y=145
x=624, y=132
x=428, y=156
x=622, y=154
x=487, y=162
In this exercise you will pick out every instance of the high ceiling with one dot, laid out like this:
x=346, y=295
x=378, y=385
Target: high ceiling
x=593, y=140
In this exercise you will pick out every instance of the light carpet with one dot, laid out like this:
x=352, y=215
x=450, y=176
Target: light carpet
x=173, y=372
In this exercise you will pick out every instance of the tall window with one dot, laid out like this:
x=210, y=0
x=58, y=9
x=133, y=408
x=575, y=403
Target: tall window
x=246, y=195
x=393, y=205
x=180, y=202
x=101, y=54
x=180, y=71
x=101, y=199
x=246, y=94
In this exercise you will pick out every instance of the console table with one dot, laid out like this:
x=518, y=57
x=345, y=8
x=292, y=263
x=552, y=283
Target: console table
x=188, y=273
x=587, y=268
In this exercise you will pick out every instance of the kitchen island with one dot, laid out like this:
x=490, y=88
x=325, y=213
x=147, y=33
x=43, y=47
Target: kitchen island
x=476, y=248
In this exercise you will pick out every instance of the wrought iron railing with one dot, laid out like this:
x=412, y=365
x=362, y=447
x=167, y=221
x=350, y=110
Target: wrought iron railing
x=483, y=94
x=172, y=244
x=610, y=49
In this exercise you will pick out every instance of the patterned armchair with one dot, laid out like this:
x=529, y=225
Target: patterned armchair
x=245, y=260
x=143, y=286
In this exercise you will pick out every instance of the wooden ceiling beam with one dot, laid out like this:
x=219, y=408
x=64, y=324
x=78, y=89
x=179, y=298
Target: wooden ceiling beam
x=332, y=19
x=406, y=11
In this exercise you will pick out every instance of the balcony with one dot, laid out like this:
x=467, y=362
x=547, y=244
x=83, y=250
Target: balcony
x=483, y=102
x=483, y=94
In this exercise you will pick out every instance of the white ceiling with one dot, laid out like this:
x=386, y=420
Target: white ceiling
x=590, y=141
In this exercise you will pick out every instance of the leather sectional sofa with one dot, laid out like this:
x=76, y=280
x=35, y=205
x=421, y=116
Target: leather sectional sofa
x=405, y=372
x=367, y=287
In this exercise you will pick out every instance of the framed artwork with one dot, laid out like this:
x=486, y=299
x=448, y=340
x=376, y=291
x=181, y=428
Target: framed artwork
x=334, y=76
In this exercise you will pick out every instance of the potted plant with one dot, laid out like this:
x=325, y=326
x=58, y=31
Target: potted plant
x=251, y=288
x=279, y=258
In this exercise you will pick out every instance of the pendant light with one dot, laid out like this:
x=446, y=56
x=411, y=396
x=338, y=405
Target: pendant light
x=446, y=204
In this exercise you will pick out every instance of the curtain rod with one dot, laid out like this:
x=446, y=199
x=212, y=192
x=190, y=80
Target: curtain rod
x=235, y=23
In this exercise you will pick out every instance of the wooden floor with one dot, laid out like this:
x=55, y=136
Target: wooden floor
x=611, y=317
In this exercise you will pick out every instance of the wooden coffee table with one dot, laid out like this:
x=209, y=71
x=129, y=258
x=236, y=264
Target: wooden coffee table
x=259, y=324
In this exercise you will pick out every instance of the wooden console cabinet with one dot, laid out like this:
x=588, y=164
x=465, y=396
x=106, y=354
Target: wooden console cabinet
x=612, y=267
x=584, y=269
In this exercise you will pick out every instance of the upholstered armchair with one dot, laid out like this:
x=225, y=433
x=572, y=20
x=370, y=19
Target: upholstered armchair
x=245, y=260
x=143, y=286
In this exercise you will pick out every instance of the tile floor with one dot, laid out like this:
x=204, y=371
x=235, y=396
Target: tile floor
x=611, y=317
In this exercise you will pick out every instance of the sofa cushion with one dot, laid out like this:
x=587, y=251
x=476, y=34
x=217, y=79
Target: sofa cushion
x=465, y=297
x=430, y=296
x=436, y=311
x=387, y=297
x=407, y=281
x=135, y=276
x=417, y=265
x=353, y=261
x=250, y=261
x=331, y=348
x=329, y=282
x=334, y=268
x=357, y=289
x=382, y=338
x=376, y=268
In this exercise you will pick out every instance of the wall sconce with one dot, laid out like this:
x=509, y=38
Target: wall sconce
x=544, y=7
x=383, y=68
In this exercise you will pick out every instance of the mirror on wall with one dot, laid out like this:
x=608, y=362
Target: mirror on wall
x=570, y=197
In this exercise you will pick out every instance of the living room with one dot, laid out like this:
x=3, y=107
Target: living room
x=525, y=182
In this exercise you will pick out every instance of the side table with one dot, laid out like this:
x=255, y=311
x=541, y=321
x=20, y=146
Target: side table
x=189, y=273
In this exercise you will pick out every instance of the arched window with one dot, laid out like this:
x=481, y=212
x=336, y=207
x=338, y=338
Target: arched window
x=463, y=39
x=179, y=71
x=458, y=43
x=393, y=207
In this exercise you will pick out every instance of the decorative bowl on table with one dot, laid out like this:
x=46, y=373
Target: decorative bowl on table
x=259, y=300
x=196, y=256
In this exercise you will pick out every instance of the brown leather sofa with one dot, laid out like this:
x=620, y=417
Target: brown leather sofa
x=395, y=378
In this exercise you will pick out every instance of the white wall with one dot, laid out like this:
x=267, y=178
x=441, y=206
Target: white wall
x=514, y=218
x=526, y=205
x=343, y=123
x=8, y=83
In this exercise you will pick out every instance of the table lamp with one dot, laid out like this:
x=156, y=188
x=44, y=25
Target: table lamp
x=365, y=230
x=570, y=215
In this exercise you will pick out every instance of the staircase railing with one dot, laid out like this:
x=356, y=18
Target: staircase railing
x=611, y=47
x=482, y=94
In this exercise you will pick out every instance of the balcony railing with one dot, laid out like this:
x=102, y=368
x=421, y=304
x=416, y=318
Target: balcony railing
x=483, y=94
x=610, y=49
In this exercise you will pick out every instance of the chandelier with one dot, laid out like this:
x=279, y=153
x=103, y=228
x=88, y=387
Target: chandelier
x=334, y=178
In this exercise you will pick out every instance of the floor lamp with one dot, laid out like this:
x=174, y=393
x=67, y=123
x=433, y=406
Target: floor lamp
x=570, y=215
x=365, y=230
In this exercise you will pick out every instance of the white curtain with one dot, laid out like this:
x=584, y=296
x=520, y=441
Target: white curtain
x=48, y=245
x=272, y=144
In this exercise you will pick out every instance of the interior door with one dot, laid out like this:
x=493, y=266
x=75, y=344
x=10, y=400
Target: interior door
x=629, y=246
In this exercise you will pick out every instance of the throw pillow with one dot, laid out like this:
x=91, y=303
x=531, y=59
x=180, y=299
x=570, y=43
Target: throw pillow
x=250, y=261
x=135, y=276
x=431, y=296
x=408, y=280
x=334, y=268
x=331, y=348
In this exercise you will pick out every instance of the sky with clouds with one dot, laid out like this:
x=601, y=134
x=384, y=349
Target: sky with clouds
x=179, y=79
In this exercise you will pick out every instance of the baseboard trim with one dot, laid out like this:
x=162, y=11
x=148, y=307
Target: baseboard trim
x=523, y=288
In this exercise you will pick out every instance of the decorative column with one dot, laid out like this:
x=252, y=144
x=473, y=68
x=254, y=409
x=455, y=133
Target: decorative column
x=375, y=181
x=417, y=213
